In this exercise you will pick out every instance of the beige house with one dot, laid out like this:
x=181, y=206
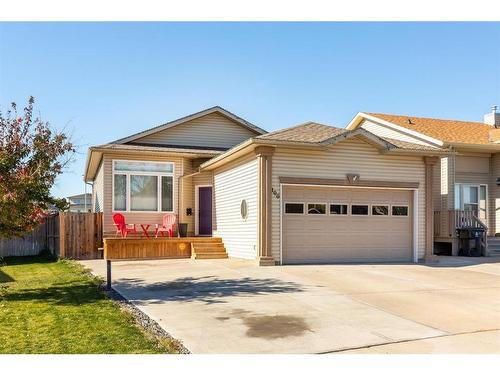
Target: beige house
x=309, y=193
x=466, y=182
x=156, y=171
x=324, y=194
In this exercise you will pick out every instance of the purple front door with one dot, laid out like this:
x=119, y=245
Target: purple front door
x=205, y=210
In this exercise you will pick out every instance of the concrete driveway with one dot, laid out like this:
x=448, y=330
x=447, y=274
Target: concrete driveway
x=233, y=306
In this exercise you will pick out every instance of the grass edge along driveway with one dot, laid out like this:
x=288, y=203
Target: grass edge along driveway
x=56, y=306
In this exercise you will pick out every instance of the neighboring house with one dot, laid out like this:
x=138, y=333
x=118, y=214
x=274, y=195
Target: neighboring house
x=80, y=202
x=310, y=193
x=466, y=183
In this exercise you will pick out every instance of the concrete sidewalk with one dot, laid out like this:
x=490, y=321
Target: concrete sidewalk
x=233, y=306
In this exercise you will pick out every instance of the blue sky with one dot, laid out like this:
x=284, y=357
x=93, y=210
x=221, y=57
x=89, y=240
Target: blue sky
x=103, y=81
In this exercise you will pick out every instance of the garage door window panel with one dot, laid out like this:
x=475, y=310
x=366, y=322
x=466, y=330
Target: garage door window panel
x=339, y=209
x=400, y=210
x=293, y=208
x=359, y=210
x=380, y=210
x=316, y=208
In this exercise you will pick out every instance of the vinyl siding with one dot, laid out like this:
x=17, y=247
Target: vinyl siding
x=213, y=130
x=475, y=170
x=446, y=190
x=472, y=164
x=436, y=186
x=385, y=131
x=465, y=169
x=449, y=187
x=136, y=217
x=190, y=166
x=350, y=156
x=233, y=183
x=98, y=190
x=187, y=194
x=494, y=195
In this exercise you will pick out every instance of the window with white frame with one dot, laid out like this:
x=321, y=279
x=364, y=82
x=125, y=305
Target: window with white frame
x=143, y=186
x=294, y=208
x=380, y=210
x=316, y=209
x=399, y=210
x=338, y=209
x=471, y=197
x=359, y=209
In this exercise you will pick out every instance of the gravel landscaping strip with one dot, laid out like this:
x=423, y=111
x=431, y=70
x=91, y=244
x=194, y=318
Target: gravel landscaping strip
x=148, y=324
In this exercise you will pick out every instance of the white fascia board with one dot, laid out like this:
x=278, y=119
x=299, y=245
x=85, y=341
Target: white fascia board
x=357, y=119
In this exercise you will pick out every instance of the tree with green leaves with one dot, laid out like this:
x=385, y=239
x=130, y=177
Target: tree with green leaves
x=32, y=155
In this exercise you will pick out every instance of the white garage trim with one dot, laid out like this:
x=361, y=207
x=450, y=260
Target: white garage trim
x=281, y=224
x=414, y=209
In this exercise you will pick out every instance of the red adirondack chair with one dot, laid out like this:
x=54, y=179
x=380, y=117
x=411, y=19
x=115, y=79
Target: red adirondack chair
x=121, y=227
x=168, y=226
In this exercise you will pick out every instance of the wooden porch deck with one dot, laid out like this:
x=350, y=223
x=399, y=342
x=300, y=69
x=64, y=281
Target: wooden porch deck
x=163, y=248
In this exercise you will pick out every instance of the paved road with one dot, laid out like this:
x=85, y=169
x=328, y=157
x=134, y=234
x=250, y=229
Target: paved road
x=233, y=306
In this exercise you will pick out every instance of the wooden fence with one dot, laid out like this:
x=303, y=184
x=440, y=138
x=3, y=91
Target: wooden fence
x=80, y=235
x=67, y=234
x=30, y=244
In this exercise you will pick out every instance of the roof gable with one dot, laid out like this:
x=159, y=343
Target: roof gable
x=309, y=132
x=362, y=134
x=437, y=131
x=312, y=133
x=183, y=120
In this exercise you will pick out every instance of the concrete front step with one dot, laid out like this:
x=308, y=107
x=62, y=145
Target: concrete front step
x=493, y=246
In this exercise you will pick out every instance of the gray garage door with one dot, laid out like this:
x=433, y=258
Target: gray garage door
x=324, y=224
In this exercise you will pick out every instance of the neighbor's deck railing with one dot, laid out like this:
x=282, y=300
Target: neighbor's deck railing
x=447, y=222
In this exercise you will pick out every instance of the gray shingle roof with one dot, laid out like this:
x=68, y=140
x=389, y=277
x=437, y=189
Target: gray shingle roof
x=312, y=132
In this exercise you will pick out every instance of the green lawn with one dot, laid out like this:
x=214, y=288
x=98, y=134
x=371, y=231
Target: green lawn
x=50, y=306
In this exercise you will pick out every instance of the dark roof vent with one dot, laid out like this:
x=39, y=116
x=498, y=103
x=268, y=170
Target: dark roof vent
x=409, y=121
